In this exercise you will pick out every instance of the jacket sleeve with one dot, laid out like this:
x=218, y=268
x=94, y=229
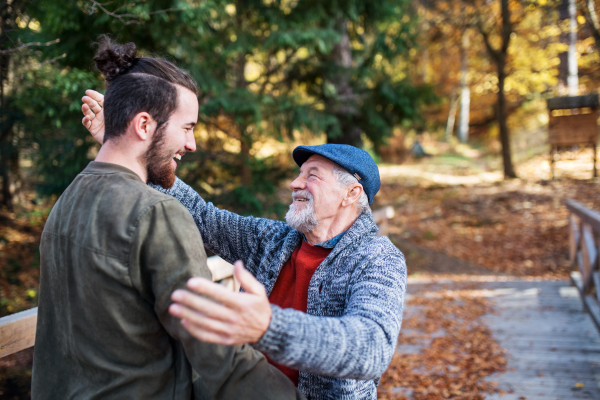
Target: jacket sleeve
x=358, y=345
x=169, y=251
x=227, y=234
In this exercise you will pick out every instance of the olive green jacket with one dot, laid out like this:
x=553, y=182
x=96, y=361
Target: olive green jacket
x=112, y=252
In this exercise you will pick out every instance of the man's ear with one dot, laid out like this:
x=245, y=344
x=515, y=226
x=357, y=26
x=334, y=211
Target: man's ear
x=352, y=195
x=143, y=125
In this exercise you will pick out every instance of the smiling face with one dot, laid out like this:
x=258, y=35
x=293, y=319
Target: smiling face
x=173, y=140
x=316, y=194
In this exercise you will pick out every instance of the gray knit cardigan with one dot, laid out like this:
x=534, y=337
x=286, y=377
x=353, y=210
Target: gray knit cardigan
x=345, y=340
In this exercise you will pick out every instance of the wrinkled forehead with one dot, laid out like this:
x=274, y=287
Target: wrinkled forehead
x=318, y=162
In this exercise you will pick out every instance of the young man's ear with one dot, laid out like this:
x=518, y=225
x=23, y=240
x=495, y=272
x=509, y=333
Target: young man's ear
x=143, y=125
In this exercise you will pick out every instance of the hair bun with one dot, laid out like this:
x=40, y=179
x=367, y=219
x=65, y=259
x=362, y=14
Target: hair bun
x=114, y=59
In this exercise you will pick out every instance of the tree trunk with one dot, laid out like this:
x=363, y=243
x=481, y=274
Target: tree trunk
x=465, y=92
x=589, y=10
x=573, y=78
x=344, y=102
x=425, y=66
x=351, y=134
x=5, y=158
x=568, y=71
x=245, y=170
x=509, y=171
x=245, y=138
x=499, y=56
x=5, y=134
x=451, y=116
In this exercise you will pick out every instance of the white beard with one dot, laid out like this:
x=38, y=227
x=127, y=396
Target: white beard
x=302, y=217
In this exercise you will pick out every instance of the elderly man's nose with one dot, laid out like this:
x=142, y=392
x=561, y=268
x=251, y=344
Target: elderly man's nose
x=298, y=184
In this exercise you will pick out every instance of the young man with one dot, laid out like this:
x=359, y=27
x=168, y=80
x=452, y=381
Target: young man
x=114, y=249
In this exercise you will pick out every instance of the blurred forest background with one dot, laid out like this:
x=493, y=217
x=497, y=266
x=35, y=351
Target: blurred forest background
x=448, y=96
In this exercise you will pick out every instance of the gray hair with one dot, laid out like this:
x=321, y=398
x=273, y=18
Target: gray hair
x=345, y=178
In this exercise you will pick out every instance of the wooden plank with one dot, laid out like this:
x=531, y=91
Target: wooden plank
x=219, y=268
x=588, y=216
x=548, y=349
x=596, y=276
x=591, y=303
x=587, y=255
x=383, y=214
x=568, y=102
x=580, y=265
x=573, y=129
x=17, y=332
x=573, y=237
x=381, y=217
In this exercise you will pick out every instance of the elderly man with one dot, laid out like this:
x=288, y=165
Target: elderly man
x=336, y=290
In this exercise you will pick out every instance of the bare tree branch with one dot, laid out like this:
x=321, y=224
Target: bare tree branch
x=127, y=18
x=44, y=63
x=591, y=17
x=25, y=45
x=486, y=40
x=52, y=59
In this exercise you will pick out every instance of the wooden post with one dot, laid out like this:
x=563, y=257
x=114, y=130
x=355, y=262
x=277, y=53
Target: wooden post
x=584, y=251
x=595, y=169
x=552, y=152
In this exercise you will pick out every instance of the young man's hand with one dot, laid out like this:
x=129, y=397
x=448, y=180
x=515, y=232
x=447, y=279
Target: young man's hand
x=93, y=111
x=225, y=317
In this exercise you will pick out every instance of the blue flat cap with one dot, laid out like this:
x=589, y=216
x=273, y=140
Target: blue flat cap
x=354, y=160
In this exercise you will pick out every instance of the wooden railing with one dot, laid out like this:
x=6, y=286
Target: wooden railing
x=17, y=331
x=584, y=249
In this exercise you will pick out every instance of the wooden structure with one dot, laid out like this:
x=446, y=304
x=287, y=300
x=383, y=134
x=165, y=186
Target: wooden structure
x=17, y=331
x=551, y=347
x=584, y=249
x=572, y=121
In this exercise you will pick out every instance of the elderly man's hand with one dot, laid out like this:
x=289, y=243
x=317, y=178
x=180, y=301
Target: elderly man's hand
x=93, y=111
x=232, y=318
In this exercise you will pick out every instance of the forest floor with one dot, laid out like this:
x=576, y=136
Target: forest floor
x=456, y=205
x=457, y=221
x=462, y=226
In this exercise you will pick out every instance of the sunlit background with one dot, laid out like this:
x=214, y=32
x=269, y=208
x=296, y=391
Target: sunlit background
x=448, y=96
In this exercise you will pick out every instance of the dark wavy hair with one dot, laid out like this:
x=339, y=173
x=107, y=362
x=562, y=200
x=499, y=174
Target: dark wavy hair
x=137, y=84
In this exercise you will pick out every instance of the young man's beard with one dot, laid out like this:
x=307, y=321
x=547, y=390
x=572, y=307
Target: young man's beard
x=158, y=161
x=302, y=219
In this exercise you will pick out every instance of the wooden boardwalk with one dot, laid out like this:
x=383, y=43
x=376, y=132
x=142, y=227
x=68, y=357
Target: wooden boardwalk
x=552, y=346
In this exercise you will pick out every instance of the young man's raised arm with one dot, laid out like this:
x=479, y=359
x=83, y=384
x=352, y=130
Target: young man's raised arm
x=166, y=252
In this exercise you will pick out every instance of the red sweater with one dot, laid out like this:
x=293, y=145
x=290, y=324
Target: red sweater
x=291, y=287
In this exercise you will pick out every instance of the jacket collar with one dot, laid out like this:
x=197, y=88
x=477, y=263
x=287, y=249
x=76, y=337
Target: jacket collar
x=363, y=226
x=102, y=168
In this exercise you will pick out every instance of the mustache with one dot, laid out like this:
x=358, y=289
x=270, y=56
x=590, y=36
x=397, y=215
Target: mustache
x=302, y=194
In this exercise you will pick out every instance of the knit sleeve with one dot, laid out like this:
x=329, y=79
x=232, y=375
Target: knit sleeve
x=229, y=235
x=358, y=345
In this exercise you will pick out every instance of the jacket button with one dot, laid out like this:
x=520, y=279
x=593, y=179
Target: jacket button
x=271, y=274
x=320, y=287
